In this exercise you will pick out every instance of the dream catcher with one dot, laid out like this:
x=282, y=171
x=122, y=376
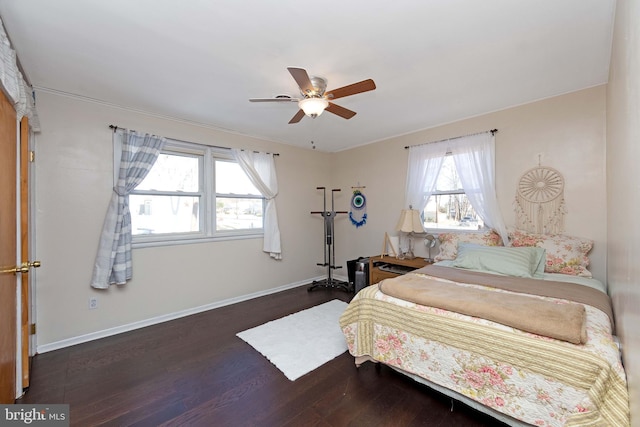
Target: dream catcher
x=358, y=213
x=539, y=201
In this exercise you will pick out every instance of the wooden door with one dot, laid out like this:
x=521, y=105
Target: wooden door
x=25, y=232
x=8, y=247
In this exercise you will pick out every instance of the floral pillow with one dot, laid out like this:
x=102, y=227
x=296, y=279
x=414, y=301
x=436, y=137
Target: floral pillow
x=565, y=254
x=449, y=242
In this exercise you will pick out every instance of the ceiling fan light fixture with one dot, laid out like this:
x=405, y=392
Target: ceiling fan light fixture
x=313, y=107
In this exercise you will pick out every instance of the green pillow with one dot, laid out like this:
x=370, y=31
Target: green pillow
x=519, y=262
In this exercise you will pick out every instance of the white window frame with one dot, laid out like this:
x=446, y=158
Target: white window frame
x=436, y=193
x=207, y=195
x=225, y=155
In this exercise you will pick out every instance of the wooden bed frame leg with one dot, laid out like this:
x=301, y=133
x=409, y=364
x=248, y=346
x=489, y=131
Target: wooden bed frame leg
x=376, y=364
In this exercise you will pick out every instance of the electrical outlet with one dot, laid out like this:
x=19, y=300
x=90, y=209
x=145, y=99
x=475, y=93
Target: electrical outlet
x=93, y=303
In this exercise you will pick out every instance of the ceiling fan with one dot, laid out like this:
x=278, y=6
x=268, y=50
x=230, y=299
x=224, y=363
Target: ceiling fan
x=315, y=99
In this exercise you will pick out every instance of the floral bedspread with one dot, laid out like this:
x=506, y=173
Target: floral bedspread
x=535, y=379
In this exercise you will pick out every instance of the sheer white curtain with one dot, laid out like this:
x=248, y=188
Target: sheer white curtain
x=474, y=157
x=261, y=170
x=425, y=162
x=113, y=261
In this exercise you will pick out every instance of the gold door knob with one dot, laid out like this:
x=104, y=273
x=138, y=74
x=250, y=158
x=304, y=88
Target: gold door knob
x=34, y=264
x=15, y=270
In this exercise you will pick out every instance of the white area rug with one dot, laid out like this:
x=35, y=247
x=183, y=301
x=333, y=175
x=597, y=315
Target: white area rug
x=301, y=342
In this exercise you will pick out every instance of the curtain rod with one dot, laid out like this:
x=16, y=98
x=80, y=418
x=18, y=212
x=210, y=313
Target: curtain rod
x=493, y=132
x=115, y=128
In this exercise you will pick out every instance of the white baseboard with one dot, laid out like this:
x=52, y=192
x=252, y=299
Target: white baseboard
x=44, y=348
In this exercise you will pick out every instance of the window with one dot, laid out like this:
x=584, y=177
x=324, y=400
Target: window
x=195, y=192
x=448, y=207
x=239, y=205
x=168, y=200
x=446, y=178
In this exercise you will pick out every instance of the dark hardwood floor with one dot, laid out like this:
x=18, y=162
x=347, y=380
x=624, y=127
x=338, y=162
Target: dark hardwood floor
x=195, y=371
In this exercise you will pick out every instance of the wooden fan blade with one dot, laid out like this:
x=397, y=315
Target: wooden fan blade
x=302, y=78
x=295, y=119
x=340, y=111
x=363, y=86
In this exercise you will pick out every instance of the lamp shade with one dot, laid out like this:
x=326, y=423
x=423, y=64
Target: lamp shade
x=313, y=107
x=410, y=222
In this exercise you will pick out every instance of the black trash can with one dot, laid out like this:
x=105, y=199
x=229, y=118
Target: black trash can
x=358, y=272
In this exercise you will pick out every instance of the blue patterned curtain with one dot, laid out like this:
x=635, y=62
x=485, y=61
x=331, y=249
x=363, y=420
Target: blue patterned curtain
x=113, y=261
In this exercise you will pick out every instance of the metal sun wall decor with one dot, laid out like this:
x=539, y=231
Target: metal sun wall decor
x=539, y=201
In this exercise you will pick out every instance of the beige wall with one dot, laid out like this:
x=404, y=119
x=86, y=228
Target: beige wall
x=73, y=186
x=74, y=179
x=567, y=131
x=623, y=190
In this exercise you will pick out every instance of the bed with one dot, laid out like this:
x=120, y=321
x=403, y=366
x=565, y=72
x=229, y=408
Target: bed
x=501, y=330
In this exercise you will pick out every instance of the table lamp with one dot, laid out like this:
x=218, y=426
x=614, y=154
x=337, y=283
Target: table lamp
x=409, y=223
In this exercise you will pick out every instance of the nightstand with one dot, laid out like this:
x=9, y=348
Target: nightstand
x=388, y=266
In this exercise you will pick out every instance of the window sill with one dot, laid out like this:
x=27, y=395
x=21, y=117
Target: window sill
x=437, y=231
x=194, y=240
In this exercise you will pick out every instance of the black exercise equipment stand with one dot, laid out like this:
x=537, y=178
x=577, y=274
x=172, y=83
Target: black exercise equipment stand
x=329, y=253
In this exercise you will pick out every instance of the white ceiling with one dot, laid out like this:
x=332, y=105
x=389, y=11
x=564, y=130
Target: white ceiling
x=433, y=61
